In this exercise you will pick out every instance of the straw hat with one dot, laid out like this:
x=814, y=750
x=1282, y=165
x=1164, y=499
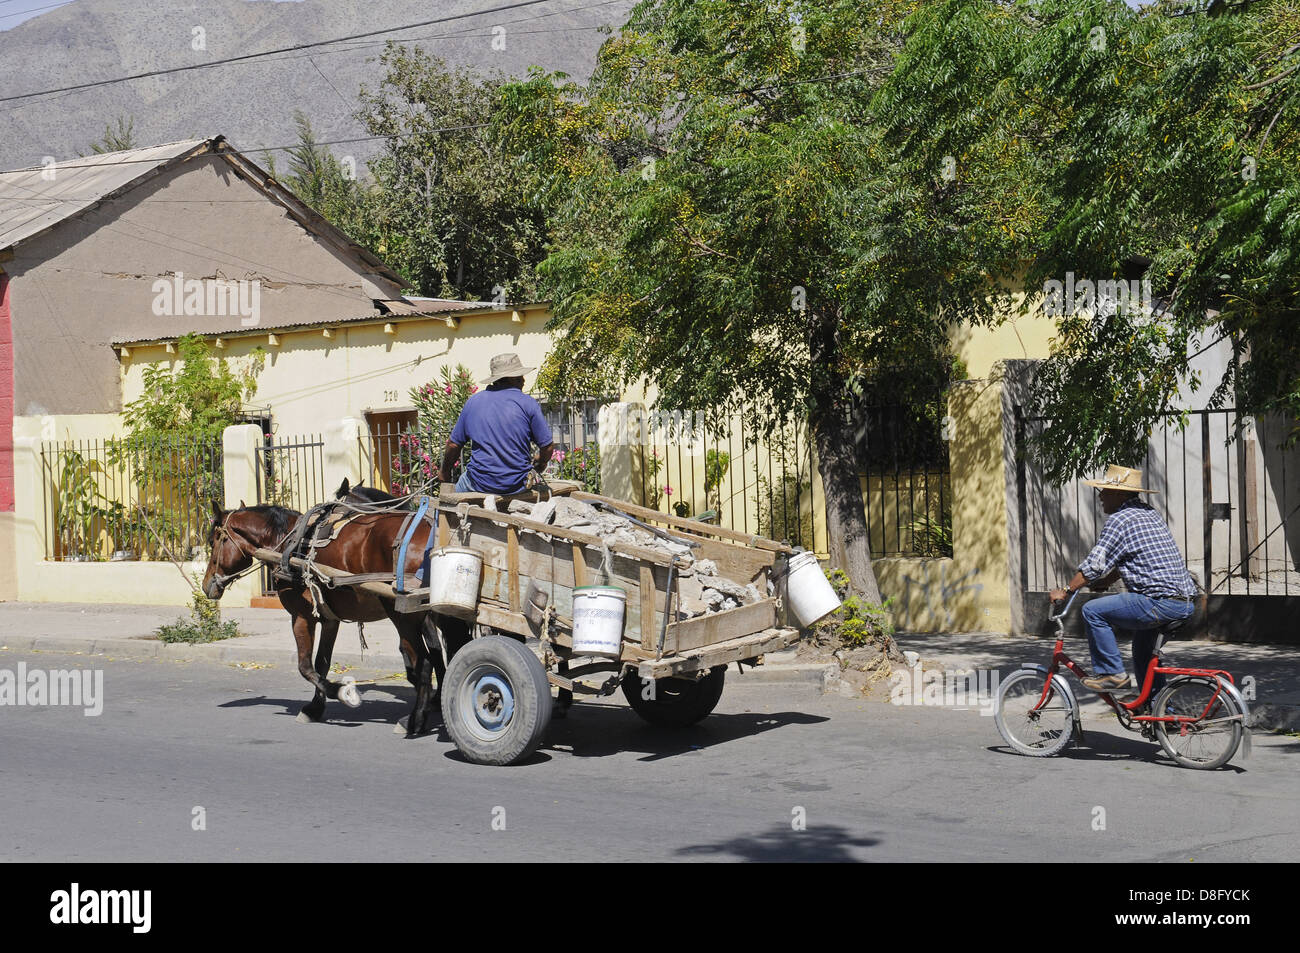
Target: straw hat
x=1120, y=478
x=506, y=365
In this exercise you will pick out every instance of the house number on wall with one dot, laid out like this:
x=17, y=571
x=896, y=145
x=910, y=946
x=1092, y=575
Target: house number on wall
x=390, y=397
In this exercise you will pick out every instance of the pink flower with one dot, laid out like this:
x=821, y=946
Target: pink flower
x=474, y=389
x=668, y=491
x=448, y=388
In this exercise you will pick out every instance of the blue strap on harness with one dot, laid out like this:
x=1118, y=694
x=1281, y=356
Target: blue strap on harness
x=400, y=569
x=422, y=574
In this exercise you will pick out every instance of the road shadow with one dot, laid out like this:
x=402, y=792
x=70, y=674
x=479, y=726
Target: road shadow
x=1104, y=747
x=780, y=844
x=379, y=706
x=598, y=731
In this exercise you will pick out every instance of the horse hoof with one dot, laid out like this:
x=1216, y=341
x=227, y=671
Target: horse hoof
x=348, y=693
x=306, y=719
x=400, y=727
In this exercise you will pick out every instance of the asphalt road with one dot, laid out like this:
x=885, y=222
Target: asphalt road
x=872, y=782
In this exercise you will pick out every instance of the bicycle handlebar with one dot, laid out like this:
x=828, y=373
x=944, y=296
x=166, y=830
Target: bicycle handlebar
x=1064, y=612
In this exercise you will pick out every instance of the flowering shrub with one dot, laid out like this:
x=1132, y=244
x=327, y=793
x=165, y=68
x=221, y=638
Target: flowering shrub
x=415, y=465
x=580, y=463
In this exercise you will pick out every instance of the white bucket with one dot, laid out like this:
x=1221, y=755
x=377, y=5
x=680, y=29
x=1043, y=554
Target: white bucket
x=809, y=592
x=454, y=575
x=598, y=620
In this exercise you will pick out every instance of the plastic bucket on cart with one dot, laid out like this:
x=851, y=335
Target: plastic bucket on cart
x=454, y=575
x=598, y=620
x=811, y=596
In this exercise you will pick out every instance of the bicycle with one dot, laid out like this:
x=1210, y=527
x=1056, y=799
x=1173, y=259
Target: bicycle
x=1199, y=717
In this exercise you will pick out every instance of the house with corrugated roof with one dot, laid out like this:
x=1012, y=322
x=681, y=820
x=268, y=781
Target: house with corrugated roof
x=107, y=260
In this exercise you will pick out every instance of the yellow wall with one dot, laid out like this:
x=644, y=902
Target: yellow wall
x=311, y=383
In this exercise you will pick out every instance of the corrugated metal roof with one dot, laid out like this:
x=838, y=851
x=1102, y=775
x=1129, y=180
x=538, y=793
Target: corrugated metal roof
x=426, y=311
x=33, y=200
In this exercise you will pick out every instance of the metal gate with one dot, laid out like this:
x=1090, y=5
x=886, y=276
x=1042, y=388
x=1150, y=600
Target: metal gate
x=1231, y=500
x=290, y=474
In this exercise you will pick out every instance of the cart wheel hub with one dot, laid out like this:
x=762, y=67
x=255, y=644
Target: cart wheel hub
x=494, y=703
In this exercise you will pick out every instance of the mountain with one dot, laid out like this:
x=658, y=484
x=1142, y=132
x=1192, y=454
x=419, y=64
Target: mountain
x=252, y=103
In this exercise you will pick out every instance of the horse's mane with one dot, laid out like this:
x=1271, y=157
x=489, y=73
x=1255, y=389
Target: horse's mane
x=278, y=518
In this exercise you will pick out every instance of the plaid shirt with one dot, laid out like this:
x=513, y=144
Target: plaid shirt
x=1137, y=541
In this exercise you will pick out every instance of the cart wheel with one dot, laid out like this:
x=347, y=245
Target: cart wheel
x=497, y=702
x=677, y=702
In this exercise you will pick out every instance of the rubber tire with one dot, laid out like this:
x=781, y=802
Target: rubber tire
x=508, y=659
x=1226, y=702
x=1058, y=744
x=678, y=702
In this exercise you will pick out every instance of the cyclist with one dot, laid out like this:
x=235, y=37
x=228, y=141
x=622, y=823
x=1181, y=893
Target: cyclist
x=1137, y=547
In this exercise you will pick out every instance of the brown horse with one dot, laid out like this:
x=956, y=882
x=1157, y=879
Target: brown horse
x=364, y=545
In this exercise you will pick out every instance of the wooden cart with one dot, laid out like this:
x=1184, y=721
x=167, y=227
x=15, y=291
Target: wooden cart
x=496, y=694
x=671, y=672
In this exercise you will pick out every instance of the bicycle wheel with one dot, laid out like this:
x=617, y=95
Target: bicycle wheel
x=1038, y=733
x=1211, y=740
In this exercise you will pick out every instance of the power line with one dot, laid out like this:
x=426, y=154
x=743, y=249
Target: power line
x=288, y=49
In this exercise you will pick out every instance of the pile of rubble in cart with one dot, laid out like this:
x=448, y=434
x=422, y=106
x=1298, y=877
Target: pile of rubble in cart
x=700, y=588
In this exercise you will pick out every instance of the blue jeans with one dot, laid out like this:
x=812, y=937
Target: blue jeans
x=466, y=485
x=1132, y=615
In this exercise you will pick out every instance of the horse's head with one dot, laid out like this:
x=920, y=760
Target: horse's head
x=234, y=536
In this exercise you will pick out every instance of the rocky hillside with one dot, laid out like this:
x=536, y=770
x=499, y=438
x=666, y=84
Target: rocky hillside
x=252, y=103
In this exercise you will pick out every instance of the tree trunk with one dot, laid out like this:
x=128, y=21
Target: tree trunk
x=833, y=433
x=846, y=516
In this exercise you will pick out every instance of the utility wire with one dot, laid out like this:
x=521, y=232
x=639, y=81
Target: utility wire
x=287, y=49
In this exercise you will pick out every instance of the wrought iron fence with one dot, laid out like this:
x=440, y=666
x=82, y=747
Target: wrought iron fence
x=129, y=498
x=1230, y=495
x=740, y=478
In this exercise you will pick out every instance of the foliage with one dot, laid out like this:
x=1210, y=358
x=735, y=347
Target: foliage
x=784, y=508
x=117, y=139
x=172, y=451
x=197, y=400
x=933, y=537
x=857, y=623
x=581, y=464
x=1143, y=145
x=79, y=510
x=317, y=177
x=716, y=464
x=446, y=202
x=203, y=625
x=652, y=466
x=415, y=466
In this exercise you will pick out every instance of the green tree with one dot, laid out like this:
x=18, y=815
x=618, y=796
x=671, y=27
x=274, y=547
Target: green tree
x=118, y=137
x=728, y=221
x=173, y=443
x=450, y=206
x=1146, y=144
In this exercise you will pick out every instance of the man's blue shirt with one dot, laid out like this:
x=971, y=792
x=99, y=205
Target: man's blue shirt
x=500, y=423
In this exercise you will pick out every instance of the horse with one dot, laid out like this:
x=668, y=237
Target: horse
x=363, y=545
